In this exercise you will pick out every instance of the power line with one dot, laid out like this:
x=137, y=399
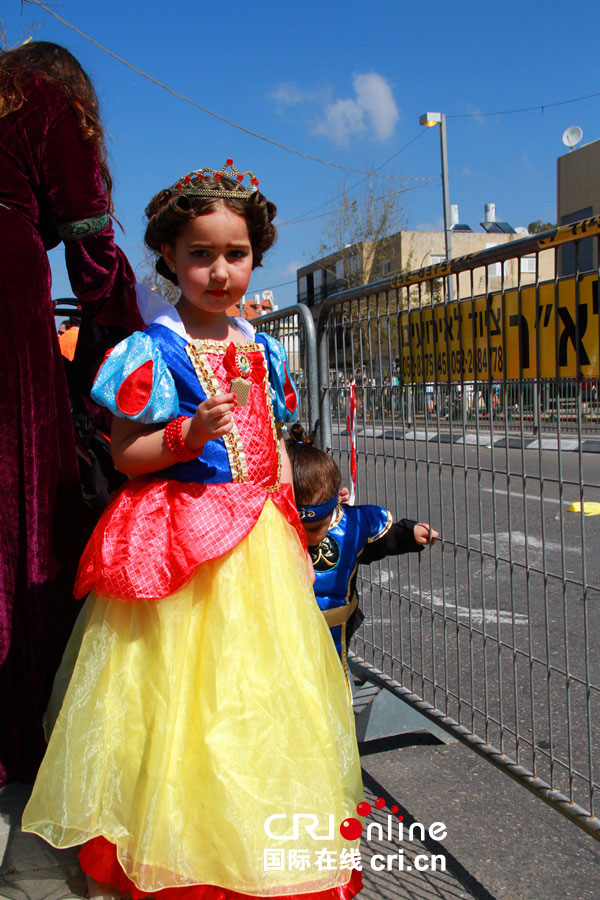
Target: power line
x=508, y=112
x=332, y=212
x=209, y=112
x=477, y=115
x=272, y=287
x=301, y=218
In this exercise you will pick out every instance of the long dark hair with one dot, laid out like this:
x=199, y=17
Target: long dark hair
x=55, y=64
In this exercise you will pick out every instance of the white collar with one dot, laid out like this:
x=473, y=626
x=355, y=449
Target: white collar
x=157, y=310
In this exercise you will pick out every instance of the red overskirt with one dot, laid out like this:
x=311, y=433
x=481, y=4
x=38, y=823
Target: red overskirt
x=157, y=531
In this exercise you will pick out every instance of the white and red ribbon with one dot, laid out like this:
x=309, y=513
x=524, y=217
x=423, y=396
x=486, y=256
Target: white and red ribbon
x=351, y=430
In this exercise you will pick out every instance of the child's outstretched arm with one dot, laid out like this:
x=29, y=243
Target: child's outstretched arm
x=140, y=449
x=405, y=536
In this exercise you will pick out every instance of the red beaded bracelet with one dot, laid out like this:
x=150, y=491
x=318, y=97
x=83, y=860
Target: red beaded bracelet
x=176, y=443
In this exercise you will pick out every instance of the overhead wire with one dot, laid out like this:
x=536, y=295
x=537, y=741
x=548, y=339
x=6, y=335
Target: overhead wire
x=301, y=217
x=474, y=115
x=299, y=220
x=210, y=112
x=509, y=112
x=375, y=172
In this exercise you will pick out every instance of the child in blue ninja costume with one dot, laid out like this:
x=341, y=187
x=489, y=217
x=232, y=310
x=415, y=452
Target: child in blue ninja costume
x=340, y=538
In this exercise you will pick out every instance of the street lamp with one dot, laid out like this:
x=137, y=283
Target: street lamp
x=430, y=119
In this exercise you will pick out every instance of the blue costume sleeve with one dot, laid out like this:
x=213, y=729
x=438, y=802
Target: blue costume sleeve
x=134, y=382
x=284, y=395
x=378, y=521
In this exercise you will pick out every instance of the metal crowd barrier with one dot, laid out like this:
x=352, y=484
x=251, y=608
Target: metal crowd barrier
x=476, y=384
x=295, y=328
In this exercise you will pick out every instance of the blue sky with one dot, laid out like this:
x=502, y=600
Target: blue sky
x=342, y=80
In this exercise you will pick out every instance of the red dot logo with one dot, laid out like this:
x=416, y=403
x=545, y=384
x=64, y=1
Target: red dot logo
x=394, y=809
x=351, y=829
x=363, y=809
x=380, y=803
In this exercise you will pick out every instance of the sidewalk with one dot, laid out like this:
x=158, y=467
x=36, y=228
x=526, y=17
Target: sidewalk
x=32, y=870
x=502, y=843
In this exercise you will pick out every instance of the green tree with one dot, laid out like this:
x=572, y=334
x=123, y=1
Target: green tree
x=538, y=226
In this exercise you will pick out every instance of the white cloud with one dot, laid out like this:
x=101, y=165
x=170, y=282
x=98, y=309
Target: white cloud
x=372, y=112
x=289, y=94
x=341, y=121
x=292, y=268
x=374, y=94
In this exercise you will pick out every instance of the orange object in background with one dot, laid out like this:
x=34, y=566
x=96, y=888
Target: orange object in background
x=68, y=341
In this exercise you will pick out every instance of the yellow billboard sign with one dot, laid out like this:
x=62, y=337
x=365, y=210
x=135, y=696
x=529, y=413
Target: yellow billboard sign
x=520, y=335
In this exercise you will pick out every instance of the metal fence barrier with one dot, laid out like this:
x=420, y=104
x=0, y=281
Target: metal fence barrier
x=477, y=415
x=295, y=329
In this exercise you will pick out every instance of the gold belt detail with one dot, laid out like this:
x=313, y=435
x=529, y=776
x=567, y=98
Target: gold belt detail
x=339, y=615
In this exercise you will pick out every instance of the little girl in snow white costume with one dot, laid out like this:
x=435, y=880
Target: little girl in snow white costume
x=206, y=697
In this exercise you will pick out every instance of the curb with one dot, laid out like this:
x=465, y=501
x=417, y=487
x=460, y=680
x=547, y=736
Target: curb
x=512, y=442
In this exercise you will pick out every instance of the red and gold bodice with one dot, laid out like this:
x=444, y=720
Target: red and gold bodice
x=161, y=527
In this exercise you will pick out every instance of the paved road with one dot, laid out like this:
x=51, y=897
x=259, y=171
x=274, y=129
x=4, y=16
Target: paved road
x=498, y=624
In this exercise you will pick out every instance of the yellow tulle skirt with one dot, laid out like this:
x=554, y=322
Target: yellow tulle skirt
x=190, y=720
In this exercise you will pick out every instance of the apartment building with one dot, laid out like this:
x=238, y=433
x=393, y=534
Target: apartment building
x=407, y=250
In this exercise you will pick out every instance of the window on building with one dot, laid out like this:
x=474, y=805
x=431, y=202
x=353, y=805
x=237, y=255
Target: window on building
x=436, y=260
x=386, y=267
x=302, y=289
x=495, y=270
x=353, y=265
x=318, y=278
x=528, y=265
x=339, y=269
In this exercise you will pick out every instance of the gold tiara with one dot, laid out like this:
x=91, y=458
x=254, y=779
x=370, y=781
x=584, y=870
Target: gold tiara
x=195, y=182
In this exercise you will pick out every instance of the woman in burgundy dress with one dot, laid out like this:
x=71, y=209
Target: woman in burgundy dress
x=54, y=185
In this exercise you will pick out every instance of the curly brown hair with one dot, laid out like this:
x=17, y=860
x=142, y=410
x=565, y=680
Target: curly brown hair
x=54, y=63
x=315, y=474
x=169, y=212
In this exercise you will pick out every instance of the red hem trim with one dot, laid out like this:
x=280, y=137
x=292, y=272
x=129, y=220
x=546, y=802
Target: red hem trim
x=98, y=858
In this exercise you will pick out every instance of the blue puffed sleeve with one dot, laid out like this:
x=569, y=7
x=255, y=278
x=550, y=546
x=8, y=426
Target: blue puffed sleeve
x=378, y=521
x=134, y=382
x=284, y=394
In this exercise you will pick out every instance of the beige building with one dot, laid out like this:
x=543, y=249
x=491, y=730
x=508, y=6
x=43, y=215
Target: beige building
x=578, y=197
x=410, y=250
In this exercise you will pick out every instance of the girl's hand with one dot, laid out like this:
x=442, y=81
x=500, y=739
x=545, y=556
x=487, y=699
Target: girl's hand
x=424, y=533
x=211, y=420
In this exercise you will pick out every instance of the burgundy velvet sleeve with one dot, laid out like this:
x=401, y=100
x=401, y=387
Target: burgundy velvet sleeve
x=99, y=271
x=70, y=172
